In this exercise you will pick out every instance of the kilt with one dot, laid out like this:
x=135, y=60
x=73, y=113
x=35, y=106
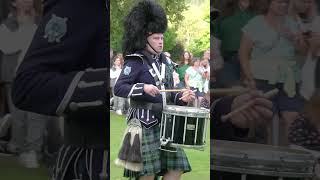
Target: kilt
x=156, y=161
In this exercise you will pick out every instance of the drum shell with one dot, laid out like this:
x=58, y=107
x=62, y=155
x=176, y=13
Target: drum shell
x=184, y=126
x=190, y=133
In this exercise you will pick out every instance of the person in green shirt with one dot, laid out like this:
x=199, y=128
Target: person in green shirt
x=185, y=61
x=235, y=14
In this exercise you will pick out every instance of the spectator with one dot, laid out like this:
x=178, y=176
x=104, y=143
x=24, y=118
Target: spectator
x=268, y=59
x=118, y=102
x=303, y=12
x=305, y=130
x=309, y=69
x=234, y=15
x=174, y=65
x=185, y=61
x=206, y=55
x=205, y=68
x=194, y=80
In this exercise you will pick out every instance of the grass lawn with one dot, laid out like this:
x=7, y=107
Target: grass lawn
x=10, y=169
x=199, y=160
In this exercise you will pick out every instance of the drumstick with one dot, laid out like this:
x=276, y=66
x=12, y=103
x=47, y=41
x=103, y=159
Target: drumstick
x=217, y=91
x=229, y=91
x=171, y=90
x=268, y=95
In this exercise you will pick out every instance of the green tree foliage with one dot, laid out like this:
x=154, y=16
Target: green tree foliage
x=176, y=51
x=194, y=30
x=170, y=38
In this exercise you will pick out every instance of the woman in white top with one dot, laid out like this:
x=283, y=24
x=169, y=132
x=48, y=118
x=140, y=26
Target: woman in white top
x=268, y=50
x=194, y=79
x=118, y=102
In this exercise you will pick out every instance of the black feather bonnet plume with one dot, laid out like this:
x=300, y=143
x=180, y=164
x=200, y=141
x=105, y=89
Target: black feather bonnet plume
x=145, y=18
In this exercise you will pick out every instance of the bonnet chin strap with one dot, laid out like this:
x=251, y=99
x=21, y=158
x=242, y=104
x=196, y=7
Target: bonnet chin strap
x=158, y=53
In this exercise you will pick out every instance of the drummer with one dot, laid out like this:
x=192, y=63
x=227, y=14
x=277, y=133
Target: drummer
x=140, y=80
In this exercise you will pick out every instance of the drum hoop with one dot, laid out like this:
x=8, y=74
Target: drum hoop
x=286, y=159
x=184, y=110
x=261, y=172
x=197, y=147
x=234, y=151
x=203, y=116
x=266, y=163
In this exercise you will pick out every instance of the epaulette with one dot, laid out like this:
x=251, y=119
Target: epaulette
x=135, y=55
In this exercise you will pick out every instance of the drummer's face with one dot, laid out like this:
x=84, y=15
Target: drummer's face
x=156, y=41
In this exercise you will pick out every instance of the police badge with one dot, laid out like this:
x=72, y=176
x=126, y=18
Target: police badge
x=55, y=29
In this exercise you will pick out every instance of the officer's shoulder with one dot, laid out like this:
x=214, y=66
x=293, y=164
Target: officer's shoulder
x=136, y=57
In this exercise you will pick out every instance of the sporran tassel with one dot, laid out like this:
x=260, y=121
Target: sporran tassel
x=123, y=153
x=135, y=151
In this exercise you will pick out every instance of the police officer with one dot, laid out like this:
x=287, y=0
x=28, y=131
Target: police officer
x=64, y=73
x=145, y=72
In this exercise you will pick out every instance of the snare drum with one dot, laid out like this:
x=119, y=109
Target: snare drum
x=184, y=127
x=263, y=160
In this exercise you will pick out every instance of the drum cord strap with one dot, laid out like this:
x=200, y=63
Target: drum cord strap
x=161, y=77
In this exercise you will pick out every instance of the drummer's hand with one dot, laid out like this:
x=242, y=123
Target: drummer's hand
x=260, y=110
x=151, y=89
x=187, y=95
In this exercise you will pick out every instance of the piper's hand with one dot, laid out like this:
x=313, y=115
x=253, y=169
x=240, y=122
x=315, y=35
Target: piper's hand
x=260, y=109
x=187, y=95
x=151, y=89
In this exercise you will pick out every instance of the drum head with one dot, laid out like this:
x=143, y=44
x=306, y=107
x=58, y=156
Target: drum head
x=259, y=159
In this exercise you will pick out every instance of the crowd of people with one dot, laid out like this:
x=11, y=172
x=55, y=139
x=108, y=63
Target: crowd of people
x=268, y=44
x=264, y=45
